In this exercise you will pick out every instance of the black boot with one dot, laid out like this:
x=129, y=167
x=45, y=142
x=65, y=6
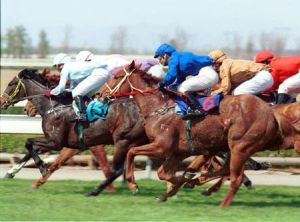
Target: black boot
x=195, y=110
x=81, y=107
x=282, y=98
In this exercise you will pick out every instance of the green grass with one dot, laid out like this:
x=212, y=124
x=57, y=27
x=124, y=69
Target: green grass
x=64, y=200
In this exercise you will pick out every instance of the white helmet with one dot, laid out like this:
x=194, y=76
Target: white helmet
x=84, y=56
x=61, y=58
x=157, y=71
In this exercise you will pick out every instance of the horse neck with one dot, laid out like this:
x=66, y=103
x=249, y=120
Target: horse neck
x=148, y=102
x=40, y=102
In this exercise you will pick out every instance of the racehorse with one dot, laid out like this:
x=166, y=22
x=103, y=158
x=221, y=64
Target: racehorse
x=245, y=125
x=121, y=127
x=66, y=153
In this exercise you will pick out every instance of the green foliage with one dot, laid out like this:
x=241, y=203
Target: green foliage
x=14, y=143
x=43, y=45
x=13, y=110
x=65, y=201
x=18, y=43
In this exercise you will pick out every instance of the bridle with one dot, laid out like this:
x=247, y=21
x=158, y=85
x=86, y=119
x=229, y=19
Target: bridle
x=10, y=99
x=134, y=91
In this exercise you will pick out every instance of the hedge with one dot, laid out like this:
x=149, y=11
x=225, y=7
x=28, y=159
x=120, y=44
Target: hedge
x=15, y=143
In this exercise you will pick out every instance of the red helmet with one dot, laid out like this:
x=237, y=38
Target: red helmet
x=263, y=56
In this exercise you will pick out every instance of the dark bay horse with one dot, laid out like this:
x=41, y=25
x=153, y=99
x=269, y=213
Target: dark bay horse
x=123, y=126
x=245, y=125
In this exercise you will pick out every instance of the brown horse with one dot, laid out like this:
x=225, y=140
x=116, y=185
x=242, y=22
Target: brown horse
x=245, y=125
x=122, y=127
x=67, y=153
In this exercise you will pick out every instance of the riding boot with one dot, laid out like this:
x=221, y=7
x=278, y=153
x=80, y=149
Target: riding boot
x=195, y=109
x=81, y=107
x=282, y=98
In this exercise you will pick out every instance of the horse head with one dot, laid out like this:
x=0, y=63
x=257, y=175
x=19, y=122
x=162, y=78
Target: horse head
x=129, y=78
x=17, y=89
x=30, y=109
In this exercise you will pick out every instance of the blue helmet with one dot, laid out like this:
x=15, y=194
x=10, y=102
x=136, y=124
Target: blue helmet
x=164, y=49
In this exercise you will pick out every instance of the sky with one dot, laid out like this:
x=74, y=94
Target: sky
x=208, y=23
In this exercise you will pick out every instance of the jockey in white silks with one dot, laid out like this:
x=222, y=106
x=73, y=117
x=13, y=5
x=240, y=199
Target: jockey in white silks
x=106, y=66
x=77, y=72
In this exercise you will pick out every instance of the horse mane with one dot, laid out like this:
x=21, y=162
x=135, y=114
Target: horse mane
x=34, y=75
x=137, y=68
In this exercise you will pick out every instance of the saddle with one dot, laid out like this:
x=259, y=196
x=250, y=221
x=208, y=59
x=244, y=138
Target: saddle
x=207, y=102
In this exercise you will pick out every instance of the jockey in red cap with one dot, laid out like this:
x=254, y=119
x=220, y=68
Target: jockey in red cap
x=285, y=72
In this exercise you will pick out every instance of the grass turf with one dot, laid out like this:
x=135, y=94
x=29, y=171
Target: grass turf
x=64, y=200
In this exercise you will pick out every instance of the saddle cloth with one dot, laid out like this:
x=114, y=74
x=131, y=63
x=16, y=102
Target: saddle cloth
x=207, y=103
x=97, y=110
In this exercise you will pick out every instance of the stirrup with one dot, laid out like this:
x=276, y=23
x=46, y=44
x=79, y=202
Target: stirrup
x=193, y=114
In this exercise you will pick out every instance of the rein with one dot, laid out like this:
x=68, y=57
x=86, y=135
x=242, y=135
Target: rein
x=132, y=93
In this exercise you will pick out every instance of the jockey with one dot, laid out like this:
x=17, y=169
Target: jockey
x=183, y=64
x=240, y=76
x=81, y=81
x=285, y=72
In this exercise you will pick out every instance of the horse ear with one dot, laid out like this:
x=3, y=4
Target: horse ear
x=22, y=73
x=131, y=66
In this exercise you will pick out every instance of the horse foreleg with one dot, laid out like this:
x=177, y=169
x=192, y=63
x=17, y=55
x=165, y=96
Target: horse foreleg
x=100, y=155
x=35, y=144
x=237, y=165
x=120, y=152
x=167, y=172
x=151, y=149
x=63, y=157
x=16, y=168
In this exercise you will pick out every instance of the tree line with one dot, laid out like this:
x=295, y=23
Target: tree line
x=17, y=43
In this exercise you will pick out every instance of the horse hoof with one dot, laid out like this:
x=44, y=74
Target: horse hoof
x=162, y=197
x=135, y=191
x=9, y=176
x=92, y=193
x=265, y=165
x=134, y=188
x=188, y=186
x=206, y=193
x=44, y=171
x=189, y=175
x=34, y=186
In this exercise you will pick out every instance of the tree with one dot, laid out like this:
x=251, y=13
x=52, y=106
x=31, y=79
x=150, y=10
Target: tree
x=43, y=45
x=118, y=40
x=249, y=50
x=180, y=39
x=67, y=37
x=17, y=41
x=20, y=41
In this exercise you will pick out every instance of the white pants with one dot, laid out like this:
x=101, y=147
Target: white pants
x=259, y=83
x=92, y=83
x=290, y=85
x=206, y=78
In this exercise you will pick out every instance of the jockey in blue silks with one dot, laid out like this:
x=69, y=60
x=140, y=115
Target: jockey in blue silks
x=183, y=64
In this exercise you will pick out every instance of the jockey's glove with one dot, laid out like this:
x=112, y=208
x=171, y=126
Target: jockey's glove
x=161, y=85
x=47, y=92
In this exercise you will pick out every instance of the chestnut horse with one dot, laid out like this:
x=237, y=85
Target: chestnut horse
x=123, y=127
x=245, y=125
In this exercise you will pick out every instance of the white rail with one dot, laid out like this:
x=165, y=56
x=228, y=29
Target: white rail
x=20, y=124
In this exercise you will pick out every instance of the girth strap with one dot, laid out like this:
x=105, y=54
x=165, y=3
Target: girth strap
x=188, y=135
